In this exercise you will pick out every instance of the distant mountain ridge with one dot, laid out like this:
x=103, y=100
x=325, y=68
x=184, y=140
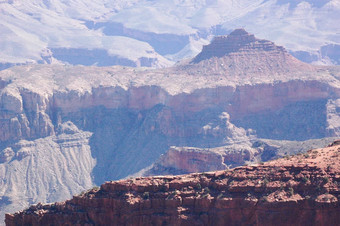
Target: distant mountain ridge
x=142, y=33
x=237, y=41
x=240, y=55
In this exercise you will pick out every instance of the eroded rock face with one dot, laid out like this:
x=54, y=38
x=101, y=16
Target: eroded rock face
x=297, y=190
x=135, y=115
x=180, y=160
x=183, y=160
x=237, y=41
x=46, y=169
x=239, y=74
x=333, y=117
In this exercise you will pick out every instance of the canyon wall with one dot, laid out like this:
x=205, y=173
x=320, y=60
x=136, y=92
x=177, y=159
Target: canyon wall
x=135, y=115
x=142, y=122
x=46, y=169
x=132, y=126
x=28, y=114
x=299, y=190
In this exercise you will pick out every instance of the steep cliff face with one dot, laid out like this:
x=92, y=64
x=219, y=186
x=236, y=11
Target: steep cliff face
x=297, y=190
x=139, y=115
x=135, y=115
x=183, y=160
x=237, y=74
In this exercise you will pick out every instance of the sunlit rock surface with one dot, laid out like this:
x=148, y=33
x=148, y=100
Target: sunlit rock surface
x=135, y=115
x=296, y=190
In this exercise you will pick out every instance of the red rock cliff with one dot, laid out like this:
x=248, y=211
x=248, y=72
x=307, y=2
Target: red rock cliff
x=296, y=190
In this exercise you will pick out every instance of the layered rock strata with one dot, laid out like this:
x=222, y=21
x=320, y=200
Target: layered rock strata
x=48, y=169
x=243, y=54
x=35, y=99
x=184, y=160
x=296, y=190
x=135, y=115
x=236, y=42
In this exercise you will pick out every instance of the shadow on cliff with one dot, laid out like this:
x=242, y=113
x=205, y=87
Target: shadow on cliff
x=125, y=141
x=298, y=121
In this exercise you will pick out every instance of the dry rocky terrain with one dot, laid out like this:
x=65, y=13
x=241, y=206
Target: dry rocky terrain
x=106, y=123
x=296, y=190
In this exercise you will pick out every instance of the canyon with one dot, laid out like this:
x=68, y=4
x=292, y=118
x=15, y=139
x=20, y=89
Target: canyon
x=107, y=123
x=297, y=190
x=158, y=33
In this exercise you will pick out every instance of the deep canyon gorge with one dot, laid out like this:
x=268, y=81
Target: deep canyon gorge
x=64, y=129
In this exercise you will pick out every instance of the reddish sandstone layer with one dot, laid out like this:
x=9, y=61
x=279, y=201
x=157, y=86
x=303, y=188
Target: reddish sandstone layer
x=296, y=190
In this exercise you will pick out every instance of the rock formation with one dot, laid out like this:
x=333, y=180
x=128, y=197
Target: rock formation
x=45, y=170
x=184, y=160
x=135, y=115
x=296, y=190
x=241, y=54
x=236, y=42
x=144, y=33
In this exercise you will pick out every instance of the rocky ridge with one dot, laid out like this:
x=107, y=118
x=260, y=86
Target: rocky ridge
x=295, y=190
x=126, y=32
x=184, y=160
x=242, y=54
x=238, y=41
